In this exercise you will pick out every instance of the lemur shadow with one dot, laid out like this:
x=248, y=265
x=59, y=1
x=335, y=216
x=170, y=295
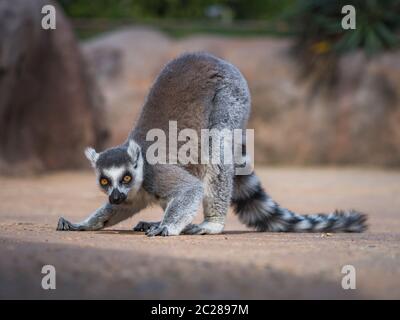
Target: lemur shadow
x=120, y=232
x=231, y=232
x=140, y=233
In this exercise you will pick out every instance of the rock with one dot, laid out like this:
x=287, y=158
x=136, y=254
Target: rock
x=50, y=109
x=357, y=123
x=125, y=64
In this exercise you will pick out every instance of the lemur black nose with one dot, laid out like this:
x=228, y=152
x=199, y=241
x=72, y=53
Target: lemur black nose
x=116, y=197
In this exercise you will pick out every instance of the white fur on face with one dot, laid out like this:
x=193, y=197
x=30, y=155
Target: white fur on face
x=115, y=174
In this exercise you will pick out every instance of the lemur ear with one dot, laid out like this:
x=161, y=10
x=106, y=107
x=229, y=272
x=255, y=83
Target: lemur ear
x=133, y=150
x=92, y=155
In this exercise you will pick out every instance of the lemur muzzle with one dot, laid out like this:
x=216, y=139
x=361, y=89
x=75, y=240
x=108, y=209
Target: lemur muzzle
x=116, y=197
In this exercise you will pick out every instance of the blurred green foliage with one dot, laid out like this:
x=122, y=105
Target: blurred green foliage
x=180, y=18
x=187, y=9
x=317, y=25
x=320, y=39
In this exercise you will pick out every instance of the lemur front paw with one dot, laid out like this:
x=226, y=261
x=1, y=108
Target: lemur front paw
x=145, y=226
x=65, y=225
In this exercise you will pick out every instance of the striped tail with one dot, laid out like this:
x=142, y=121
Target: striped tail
x=257, y=210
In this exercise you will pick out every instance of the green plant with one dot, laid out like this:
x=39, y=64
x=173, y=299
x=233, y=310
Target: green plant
x=321, y=40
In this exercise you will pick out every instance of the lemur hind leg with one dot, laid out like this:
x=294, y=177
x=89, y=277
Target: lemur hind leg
x=216, y=200
x=106, y=216
x=182, y=192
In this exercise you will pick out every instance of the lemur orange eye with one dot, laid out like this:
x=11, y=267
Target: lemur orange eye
x=127, y=179
x=103, y=181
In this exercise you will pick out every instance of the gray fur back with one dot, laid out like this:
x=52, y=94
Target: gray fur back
x=199, y=91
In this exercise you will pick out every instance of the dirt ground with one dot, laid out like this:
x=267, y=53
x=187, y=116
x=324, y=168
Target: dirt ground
x=239, y=263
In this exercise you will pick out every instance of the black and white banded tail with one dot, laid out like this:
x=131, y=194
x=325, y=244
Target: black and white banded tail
x=257, y=210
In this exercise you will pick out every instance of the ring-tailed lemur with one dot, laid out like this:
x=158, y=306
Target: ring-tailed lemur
x=199, y=91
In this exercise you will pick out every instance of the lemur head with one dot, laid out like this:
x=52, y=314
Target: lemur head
x=119, y=170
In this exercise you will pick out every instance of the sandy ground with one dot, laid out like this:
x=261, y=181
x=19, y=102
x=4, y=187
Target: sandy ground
x=239, y=263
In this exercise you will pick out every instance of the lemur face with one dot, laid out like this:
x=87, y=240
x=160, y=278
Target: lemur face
x=119, y=171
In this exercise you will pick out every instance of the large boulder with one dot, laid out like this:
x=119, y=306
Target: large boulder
x=49, y=107
x=125, y=63
x=356, y=123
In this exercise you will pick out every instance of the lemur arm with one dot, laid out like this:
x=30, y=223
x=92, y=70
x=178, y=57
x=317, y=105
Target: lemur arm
x=105, y=216
x=183, y=192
